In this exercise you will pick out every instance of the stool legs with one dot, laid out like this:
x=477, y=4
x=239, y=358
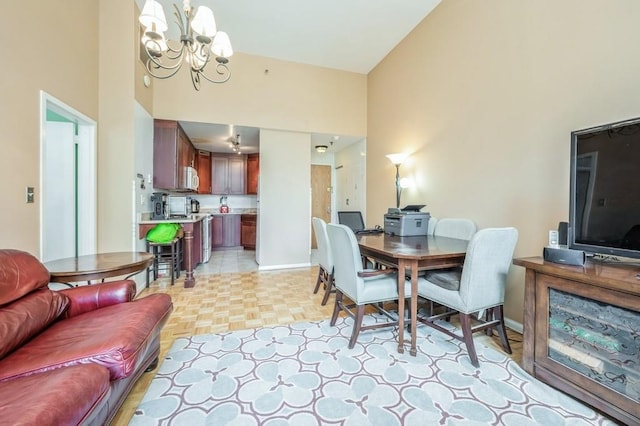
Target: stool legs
x=173, y=262
x=173, y=258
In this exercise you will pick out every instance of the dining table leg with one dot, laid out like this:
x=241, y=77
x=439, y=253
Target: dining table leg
x=401, y=297
x=411, y=265
x=414, y=305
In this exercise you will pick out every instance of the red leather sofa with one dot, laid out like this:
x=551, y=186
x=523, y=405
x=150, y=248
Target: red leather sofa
x=71, y=357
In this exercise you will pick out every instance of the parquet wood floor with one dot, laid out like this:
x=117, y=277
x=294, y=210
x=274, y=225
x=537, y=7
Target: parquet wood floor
x=221, y=302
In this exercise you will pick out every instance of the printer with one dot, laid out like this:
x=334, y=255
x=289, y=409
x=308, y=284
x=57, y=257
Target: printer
x=406, y=222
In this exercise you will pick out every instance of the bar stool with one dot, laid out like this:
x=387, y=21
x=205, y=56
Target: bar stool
x=169, y=252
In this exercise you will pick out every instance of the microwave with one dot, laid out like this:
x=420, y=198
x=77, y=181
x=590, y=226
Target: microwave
x=191, y=181
x=179, y=206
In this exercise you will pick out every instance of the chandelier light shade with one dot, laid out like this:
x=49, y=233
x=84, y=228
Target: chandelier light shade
x=321, y=148
x=397, y=160
x=199, y=43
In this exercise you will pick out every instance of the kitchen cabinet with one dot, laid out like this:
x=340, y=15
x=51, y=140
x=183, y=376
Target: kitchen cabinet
x=228, y=174
x=226, y=230
x=172, y=152
x=248, y=231
x=203, y=166
x=253, y=170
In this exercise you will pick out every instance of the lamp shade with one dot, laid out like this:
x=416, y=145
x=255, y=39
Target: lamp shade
x=152, y=16
x=222, y=45
x=397, y=159
x=204, y=23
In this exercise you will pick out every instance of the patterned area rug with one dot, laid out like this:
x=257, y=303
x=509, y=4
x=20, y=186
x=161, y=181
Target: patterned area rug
x=304, y=374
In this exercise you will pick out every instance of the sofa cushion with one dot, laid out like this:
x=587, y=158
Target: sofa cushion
x=115, y=337
x=20, y=274
x=24, y=318
x=66, y=396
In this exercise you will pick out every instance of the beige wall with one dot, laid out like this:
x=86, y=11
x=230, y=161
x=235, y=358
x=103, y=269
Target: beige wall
x=289, y=96
x=87, y=53
x=51, y=48
x=484, y=95
x=116, y=126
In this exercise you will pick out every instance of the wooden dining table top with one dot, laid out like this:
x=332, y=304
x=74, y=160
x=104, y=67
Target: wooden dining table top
x=97, y=266
x=416, y=247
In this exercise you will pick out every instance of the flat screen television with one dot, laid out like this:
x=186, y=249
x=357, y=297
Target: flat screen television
x=604, y=212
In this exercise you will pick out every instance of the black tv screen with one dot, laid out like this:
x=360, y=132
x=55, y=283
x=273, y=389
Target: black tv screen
x=604, y=213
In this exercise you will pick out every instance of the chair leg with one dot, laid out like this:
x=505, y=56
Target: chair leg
x=490, y=317
x=173, y=263
x=465, y=323
x=329, y=287
x=179, y=258
x=149, y=267
x=502, y=330
x=336, y=307
x=155, y=262
x=357, y=323
x=319, y=280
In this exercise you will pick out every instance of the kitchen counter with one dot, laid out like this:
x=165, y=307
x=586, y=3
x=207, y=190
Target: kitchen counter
x=216, y=212
x=187, y=223
x=195, y=217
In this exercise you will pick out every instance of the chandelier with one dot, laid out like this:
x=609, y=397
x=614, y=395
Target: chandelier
x=199, y=42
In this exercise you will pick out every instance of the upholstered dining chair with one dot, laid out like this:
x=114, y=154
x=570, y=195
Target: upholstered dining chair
x=431, y=226
x=460, y=228
x=325, y=259
x=362, y=286
x=477, y=287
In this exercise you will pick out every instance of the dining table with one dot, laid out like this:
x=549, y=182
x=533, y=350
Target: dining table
x=97, y=266
x=411, y=255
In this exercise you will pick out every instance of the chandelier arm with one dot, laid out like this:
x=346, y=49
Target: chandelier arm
x=179, y=20
x=154, y=63
x=152, y=66
x=159, y=63
x=222, y=70
x=178, y=52
x=195, y=79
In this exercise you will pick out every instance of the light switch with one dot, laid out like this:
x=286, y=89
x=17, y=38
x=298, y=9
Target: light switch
x=30, y=194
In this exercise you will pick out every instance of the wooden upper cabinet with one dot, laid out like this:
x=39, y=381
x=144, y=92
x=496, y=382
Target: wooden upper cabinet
x=172, y=152
x=203, y=166
x=253, y=171
x=237, y=171
x=228, y=174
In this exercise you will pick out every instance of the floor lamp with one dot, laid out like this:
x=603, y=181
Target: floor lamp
x=397, y=160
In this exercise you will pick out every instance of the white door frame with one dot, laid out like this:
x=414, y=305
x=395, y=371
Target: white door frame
x=87, y=171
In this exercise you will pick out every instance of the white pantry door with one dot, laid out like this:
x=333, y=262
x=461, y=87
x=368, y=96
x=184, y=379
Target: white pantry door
x=59, y=192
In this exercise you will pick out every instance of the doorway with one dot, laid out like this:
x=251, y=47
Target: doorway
x=320, y=196
x=68, y=223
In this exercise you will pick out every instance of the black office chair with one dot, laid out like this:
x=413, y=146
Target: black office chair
x=351, y=219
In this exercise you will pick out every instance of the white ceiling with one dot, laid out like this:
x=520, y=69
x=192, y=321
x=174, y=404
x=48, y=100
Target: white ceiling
x=349, y=35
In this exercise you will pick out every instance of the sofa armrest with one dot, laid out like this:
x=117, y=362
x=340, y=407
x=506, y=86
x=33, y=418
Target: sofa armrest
x=91, y=297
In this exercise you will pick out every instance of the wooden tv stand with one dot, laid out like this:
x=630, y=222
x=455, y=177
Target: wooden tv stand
x=579, y=329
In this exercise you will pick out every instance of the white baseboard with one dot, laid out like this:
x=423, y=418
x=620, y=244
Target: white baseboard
x=275, y=267
x=514, y=325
